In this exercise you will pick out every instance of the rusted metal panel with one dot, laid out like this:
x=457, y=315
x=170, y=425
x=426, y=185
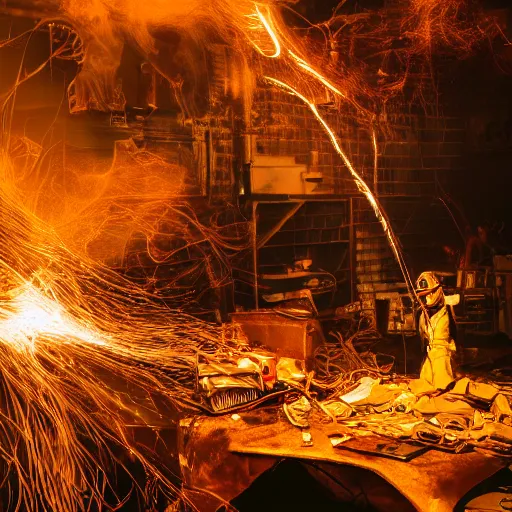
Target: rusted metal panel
x=224, y=456
x=285, y=336
x=211, y=474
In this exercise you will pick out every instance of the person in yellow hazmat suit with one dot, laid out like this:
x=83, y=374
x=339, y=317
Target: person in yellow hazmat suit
x=434, y=328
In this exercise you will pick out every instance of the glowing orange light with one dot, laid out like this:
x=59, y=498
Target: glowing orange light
x=32, y=314
x=94, y=316
x=271, y=33
x=304, y=65
x=360, y=183
x=375, y=160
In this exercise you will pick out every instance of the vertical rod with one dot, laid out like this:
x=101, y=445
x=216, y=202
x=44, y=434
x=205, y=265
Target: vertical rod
x=352, y=251
x=208, y=171
x=375, y=162
x=255, y=252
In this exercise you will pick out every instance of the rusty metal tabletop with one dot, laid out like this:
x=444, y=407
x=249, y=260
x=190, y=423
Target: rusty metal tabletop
x=222, y=457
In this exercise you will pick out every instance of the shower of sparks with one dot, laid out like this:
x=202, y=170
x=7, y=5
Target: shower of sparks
x=32, y=315
x=306, y=67
x=83, y=353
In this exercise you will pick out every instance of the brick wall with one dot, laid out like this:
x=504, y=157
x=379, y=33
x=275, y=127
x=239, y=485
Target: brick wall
x=413, y=148
x=285, y=126
x=223, y=158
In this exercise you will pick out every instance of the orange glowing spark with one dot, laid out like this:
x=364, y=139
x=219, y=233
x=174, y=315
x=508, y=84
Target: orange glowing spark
x=375, y=160
x=309, y=69
x=361, y=184
x=32, y=314
x=267, y=25
x=73, y=334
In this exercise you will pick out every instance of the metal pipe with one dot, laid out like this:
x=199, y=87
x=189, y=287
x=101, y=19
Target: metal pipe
x=255, y=252
x=352, y=252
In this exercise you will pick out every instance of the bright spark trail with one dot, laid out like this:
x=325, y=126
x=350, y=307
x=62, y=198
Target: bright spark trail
x=361, y=184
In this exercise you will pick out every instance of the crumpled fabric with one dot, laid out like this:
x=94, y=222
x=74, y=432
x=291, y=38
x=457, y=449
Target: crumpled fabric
x=460, y=387
x=499, y=431
x=437, y=404
x=466, y=388
x=387, y=424
x=387, y=397
x=452, y=420
x=382, y=394
x=404, y=402
x=362, y=391
x=455, y=427
x=337, y=409
x=482, y=390
x=420, y=387
x=435, y=435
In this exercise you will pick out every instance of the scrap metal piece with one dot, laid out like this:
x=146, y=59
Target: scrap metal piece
x=298, y=412
x=283, y=335
x=336, y=440
x=500, y=408
x=240, y=378
x=267, y=364
x=232, y=397
x=290, y=370
x=376, y=446
x=307, y=439
x=225, y=384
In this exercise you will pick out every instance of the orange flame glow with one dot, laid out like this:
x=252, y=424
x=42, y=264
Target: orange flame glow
x=71, y=328
x=268, y=27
